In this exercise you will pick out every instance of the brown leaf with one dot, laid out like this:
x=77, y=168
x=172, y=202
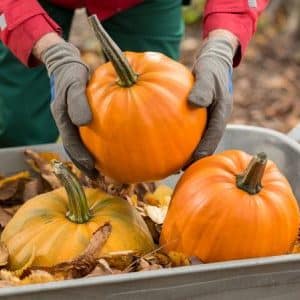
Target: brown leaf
x=11, y=210
x=4, y=217
x=144, y=265
x=9, y=277
x=39, y=276
x=40, y=162
x=6, y=283
x=33, y=188
x=87, y=261
x=103, y=268
x=3, y=255
x=12, y=186
x=155, y=229
x=120, y=260
x=178, y=259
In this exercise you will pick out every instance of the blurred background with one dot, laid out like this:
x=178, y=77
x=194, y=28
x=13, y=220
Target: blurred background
x=267, y=82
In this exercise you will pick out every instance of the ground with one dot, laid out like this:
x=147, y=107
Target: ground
x=266, y=83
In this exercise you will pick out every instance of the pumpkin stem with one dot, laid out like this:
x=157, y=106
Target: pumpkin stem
x=78, y=205
x=127, y=77
x=250, y=180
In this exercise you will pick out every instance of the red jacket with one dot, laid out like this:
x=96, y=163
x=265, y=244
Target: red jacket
x=23, y=22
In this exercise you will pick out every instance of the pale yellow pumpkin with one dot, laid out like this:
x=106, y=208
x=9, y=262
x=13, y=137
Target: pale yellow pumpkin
x=57, y=226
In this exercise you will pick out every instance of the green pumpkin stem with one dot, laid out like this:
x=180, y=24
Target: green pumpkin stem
x=78, y=205
x=127, y=77
x=250, y=180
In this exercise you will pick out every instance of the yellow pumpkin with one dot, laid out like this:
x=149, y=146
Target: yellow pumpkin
x=57, y=226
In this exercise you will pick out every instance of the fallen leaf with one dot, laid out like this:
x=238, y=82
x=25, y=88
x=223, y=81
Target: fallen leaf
x=160, y=197
x=154, y=228
x=6, y=283
x=33, y=188
x=11, y=186
x=41, y=164
x=11, y=210
x=4, y=217
x=3, y=255
x=15, y=177
x=156, y=214
x=178, y=259
x=120, y=260
x=8, y=276
x=103, y=268
x=157, y=203
x=38, y=276
x=144, y=265
x=87, y=261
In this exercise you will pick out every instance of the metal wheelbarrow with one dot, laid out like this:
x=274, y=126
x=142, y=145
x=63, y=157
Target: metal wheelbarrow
x=273, y=278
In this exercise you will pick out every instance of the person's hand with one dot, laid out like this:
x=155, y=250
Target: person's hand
x=69, y=106
x=213, y=89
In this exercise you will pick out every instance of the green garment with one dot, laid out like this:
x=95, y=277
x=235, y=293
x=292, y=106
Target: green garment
x=25, y=117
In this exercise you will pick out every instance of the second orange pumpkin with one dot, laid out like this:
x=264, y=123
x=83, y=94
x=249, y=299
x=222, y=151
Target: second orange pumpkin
x=143, y=128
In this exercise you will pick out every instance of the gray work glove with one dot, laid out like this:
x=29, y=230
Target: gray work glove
x=213, y=89
x=70, y=109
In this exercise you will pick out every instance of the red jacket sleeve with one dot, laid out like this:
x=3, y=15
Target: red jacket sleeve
x=237, y=16
x=23, y=23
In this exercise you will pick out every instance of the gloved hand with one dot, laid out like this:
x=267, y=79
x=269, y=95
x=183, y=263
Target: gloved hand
x=68, y=77
x=213, y=89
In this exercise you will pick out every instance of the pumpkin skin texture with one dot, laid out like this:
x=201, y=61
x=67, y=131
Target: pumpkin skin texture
x=135, y=128
x=211, y=218
x=40, y=228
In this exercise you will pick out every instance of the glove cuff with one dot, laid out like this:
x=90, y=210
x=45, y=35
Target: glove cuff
x=60, y=54
x=218, y=47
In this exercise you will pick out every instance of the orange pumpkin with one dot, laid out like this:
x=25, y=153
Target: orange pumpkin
x=143, y=128
x=229, y=206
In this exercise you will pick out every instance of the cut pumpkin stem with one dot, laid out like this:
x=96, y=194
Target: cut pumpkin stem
x=78, y=206
x=250, y=180
x=127, y=77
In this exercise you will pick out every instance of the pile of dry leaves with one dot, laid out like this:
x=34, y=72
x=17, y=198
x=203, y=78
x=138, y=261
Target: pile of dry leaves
x=150, y=200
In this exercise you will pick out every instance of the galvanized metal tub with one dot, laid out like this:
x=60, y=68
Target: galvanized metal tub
x=264, y=278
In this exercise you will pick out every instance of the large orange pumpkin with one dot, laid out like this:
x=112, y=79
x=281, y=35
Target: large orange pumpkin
x=229, y=206
x=57, y=226
x=143, y=128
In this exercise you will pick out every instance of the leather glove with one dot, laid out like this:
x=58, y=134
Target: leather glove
x=69, y=106
x=213, y=89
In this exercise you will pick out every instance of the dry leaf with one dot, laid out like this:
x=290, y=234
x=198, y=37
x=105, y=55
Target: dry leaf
x=86, y=262
x=3, y=255
x=6, y=283
x=156, y=214
x=33, y=188
x=38, y=276
x=162, y=259
x=11, y=210
x=178, y=259
x=15, y=177
x=4, y=217
x=10, y=187
x=144, y=265
x=41, y=164
x=160, y=197
x=103, y=268
x=8, y=276
x=120, y=260
x=157, y=203
x=155, y=229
